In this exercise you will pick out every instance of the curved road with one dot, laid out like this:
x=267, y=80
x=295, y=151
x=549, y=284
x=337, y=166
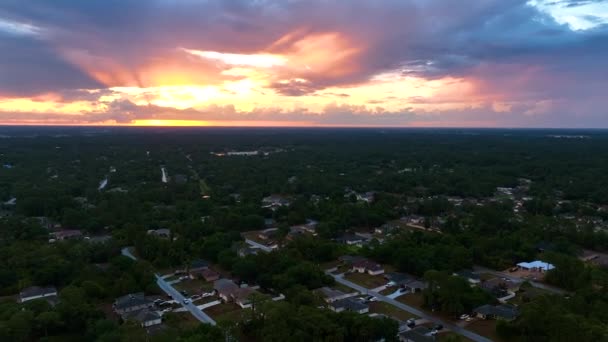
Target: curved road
x=171, y=291
x=466, y=333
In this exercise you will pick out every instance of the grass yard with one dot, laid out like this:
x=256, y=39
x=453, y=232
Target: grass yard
x=413, y=299
x=390, y=310
x=366, y=280
x=194, y=286
x=486, y=328
x=446, y=336
x=221, y=310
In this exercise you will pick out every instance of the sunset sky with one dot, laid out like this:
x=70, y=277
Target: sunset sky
x=484, y=63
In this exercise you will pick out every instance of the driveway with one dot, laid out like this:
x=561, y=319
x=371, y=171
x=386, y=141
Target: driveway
x=459, y=330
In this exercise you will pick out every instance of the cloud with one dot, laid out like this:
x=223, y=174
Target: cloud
x=507, y=57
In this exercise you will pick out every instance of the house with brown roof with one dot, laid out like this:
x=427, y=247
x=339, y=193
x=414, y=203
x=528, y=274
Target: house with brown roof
x=225, y=288
x=210, y=275
x=367, y=266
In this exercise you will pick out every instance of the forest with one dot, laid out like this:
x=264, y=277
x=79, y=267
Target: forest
x=108, y=182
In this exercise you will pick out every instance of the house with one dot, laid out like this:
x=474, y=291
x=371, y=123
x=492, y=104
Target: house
x=502, y=312
x=36, y=292
x=350, y=239
x=144, y=317
x=415, y=285
x=349, y=304
x=536, y=266
x=367, y=197
x=197, y=267
x=131, y=303
x=398, y=279
x=225, y=288
x=500, y=287
x=161, y=233
x=331, y=295
x=472, y=277
x=350, y=259
x=66, y=234
x=241, y=297
x=247, y=250
x=209, y=275
x=275, y=201
x=367, y=266
x=417, y=334
x=268, y=234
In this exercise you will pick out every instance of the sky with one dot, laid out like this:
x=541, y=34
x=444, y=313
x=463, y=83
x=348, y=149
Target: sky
x=396, y=63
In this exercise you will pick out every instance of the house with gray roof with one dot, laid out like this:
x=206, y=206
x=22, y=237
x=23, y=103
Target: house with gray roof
x=131, y=302
x=144, y=317
x=349, y=304
x=503, y=312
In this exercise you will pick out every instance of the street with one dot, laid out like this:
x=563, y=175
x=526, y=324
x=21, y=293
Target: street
x=466, y=333
x=178, y=297
x=173, y=293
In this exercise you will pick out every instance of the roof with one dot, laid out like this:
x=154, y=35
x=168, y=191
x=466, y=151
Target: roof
x=367, y=264
x=225, y=286
x=160, y=232
x=537, y=264
x=62, y=234
x=242, y=294
x=207, y=272
x=329, y=293
x=418, y=334
x=416, y=284
x=398, y=278
x=493, y=283
x=350, y=258
x=143, y=315
x=34, y=291
x=349, y=304
x=501, y=311
x=131, y=300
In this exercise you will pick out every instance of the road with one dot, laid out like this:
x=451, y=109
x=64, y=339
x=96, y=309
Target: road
x=466, y=333
x=178, y=297
x=171, y=291
x=536, y=284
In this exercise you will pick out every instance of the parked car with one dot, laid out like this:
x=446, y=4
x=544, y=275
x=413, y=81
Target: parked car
x=464, y=316
x=438, y=327
x=207, y=294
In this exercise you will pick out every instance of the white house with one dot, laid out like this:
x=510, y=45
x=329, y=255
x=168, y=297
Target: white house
x=536, y=266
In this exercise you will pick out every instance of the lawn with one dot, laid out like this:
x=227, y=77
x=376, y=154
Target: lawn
x=390, y=311
x=366, y=280
x=412, y=299
x=485, y=328
x=181, y=320
x=223, y=310
x=194, y=286
x=343, y=288
x=445, y=336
